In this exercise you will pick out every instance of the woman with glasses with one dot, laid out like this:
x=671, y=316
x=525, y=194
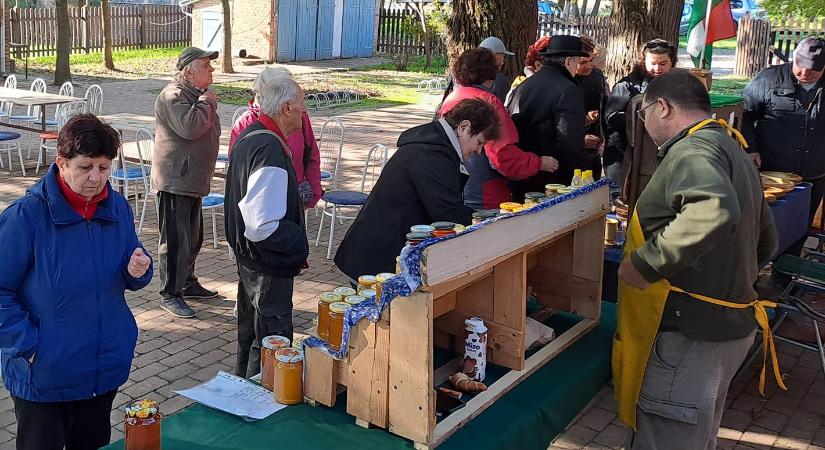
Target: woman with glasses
x=658, y=58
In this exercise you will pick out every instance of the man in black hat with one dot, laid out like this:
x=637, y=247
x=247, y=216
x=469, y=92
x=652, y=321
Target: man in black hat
x=548, y=110
x=186, y=148
x=784, y=117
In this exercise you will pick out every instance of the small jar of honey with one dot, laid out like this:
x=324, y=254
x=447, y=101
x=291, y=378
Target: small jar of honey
x=414, y=239
x=336, y=324
x=344, y=291
x=324, y=301
x=288, y=380
x=366, y=282
x=269, y=345
x=141, y=428
x=380, y=279
x=533, y=198
x=508, y=207
x=353, y=300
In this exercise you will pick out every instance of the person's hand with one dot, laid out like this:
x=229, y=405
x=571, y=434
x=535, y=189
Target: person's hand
x=630, y=275
x=592, y=142
x=210, y=95
x=757, y=159
x=592, y=116
x=549, y=164
x=138, y=263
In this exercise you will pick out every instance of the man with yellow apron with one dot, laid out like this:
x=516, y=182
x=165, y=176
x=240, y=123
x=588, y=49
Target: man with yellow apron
x=687, y=307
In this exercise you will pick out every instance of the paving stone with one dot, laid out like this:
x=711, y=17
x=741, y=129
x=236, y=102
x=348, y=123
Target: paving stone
x=759, y=438
x=612, y=437
x=771, y=420
x=597, y=419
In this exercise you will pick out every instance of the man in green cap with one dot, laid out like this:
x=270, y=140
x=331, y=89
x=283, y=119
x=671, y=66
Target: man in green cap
x=186, y=148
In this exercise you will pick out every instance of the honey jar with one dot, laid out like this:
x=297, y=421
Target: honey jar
x=324, y=301
x=443, y=226
x=552, y=190
x=442, y=233
x=508, y=207
x=141, y=428
x=533, y=198
x=289, y=371
x=269, y=345
x=336, y=324
x=366, y=281
x=344, y=291
x=481, y=216
x=459, y=228
x=422, y=229
x=354, y=299
x=368, y=294
x=380, y=279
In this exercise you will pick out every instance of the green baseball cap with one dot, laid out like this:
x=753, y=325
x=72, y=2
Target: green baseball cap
x=190, y=54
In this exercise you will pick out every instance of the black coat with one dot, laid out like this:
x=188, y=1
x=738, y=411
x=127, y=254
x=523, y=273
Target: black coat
x=594, y=92
x=785, y=123
x=615, y=120
x=420, y=184
x=548, y=111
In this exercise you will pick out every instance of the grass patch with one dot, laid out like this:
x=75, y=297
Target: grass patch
x=726, y=44
x=438, y=65
x=129, y=63
x=729, y=85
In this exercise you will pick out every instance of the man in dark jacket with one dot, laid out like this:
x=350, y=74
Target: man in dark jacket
x=265, y=221
x=594, y=90
x=784, y=120
x=548, y=111
x=421, y=184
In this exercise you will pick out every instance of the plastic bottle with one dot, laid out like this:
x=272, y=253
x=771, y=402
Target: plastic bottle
x=587, y=177
x=475, y=349
x=577, y=178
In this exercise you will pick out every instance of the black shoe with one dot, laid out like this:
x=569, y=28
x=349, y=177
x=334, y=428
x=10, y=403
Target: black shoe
x=177, y=307
x=199, y=292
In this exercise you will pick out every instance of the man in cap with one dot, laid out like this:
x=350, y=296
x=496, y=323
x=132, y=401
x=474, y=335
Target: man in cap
x=501, y=85
x=784, y=117
x=548, y=111
x=186, y=148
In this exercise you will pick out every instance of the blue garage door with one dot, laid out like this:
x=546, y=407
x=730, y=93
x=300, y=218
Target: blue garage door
x=307, y=30
x=287, y=27
x=326, y=17
x=358, y=28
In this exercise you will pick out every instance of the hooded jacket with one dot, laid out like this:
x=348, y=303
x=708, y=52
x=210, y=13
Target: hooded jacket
x=62, y=280
x=421, y=184
x=615, y=114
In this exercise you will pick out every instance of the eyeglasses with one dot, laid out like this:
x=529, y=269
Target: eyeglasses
x=658, y=43
x=642, y=112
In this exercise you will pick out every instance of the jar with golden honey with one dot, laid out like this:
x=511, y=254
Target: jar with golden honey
x=533, y=198
x=336, y=324
x=288, y=380
x=353, y=300
x=141, y=428
x=508, y=207
x=481, y=216
x=269, y=345
x=365, y=282
x=552, y=190
x=380, y=279
x=324, y=301
x=344, y=291
x=368, y=294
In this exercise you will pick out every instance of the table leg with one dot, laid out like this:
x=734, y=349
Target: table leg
x=41, y=148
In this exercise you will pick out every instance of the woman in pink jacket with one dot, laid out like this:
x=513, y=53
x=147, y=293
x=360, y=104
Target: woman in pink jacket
x=306, y=158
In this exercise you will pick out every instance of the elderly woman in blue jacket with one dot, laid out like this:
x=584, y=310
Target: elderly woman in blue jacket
x=67, y=335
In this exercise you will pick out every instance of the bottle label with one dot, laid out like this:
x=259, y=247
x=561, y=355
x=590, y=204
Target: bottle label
x=475, y=354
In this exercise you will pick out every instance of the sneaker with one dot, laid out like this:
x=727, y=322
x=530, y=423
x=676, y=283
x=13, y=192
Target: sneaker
x=177, y=307
x=198, y=291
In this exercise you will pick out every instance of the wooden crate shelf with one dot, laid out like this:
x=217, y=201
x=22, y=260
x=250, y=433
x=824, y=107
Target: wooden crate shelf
x=555, y=254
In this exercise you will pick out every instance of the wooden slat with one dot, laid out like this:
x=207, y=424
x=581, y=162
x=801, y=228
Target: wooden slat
x=379, y=395
x=320, y=377
x=548, y=281
x=361, y=356
x=588, y=257
x=505, y=345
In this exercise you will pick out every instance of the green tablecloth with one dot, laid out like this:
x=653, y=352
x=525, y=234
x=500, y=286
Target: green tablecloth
x=719, y=100
x=528, y=417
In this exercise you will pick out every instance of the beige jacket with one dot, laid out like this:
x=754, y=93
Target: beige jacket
x=186, y=140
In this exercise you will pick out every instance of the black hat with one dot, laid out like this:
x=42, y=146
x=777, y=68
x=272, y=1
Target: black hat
x=810, y=53
x=563, y=45
x=190, y=54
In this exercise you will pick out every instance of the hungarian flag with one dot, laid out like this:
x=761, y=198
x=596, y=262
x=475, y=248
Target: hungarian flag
x=705, y=29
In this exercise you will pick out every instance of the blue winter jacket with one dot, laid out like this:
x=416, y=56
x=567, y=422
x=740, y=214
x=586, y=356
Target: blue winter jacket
x=62, y=284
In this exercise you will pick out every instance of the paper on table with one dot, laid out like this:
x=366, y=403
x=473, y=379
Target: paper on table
x=235, y=395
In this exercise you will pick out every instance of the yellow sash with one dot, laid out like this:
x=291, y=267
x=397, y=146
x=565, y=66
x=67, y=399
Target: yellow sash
x=639, y=313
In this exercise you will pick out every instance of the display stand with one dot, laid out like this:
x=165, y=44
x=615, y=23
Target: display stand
x=553, y=253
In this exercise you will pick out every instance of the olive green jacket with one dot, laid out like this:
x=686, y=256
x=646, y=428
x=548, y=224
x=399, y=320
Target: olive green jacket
x=708, y=230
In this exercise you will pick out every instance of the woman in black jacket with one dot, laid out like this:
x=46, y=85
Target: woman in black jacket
x=421, y=184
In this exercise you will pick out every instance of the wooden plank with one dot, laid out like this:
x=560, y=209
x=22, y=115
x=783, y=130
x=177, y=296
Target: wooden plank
x=361, y=356
x=458, y=283
x=477, y=299
x=505, y=345
x=546, y=281
x=379, y=395
x=412, y=398
x=588, y=257
x=482, y=401
x=510, y=292
x=559, y=258
x=444, y=304
x=320, y=380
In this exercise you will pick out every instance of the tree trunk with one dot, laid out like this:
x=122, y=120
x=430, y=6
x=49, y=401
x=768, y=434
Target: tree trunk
x=107, y=36
x=513, y=21
x=596, y=5
x=62, y=71
x=226, y=60
x=585, y=4
x=633, y=23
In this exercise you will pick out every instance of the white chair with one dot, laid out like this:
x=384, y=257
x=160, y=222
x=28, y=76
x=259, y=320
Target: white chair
x=94, y=99
x=335, y=199
x=223, y=158
x=10, y=141
x=145, y=142
x=330, y=146
x=5, y=107
x=136, y=176
x=48, y=140
x=211, y=203
x=66, y=90
x=32, y=112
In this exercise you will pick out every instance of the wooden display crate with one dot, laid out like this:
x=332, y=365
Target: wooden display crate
x=389, y=375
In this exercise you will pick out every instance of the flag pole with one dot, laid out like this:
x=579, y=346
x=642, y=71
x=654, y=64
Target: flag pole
x=705, y=37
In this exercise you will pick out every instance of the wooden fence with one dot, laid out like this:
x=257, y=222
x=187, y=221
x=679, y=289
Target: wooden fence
x=760, y=43
x=133, y=26
x=594, y=27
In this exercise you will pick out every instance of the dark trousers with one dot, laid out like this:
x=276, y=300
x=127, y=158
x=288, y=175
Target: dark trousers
x=77, y=425
x=181, y=236
x=264, y=309
x=817, y=193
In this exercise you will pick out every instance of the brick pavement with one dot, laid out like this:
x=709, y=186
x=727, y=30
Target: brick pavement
x=177, y=353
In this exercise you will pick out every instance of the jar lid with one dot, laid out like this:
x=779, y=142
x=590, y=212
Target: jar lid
x=485, y=214
x=422, y=229
x=330, y=297
x=383, y=277
x=509, y=205
x=275, y=341
x=459, y=228
x=339, y=307
x=142, y=409
x=366, y=280
x=418, y=236
x=367, y=293
x=289, y=355
x=344, y=291
x=534, y=195
x=554, y=187
x=444, y=225
x=354, y=299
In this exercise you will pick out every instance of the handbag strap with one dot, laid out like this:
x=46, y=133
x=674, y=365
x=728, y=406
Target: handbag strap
x=284, y=147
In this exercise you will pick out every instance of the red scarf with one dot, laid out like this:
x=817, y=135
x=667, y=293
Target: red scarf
x=271, y=125
x=86, y=208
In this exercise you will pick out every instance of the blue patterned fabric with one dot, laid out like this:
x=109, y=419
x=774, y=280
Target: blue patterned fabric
x=410, y=279
x=345, y=198
x=132, y=173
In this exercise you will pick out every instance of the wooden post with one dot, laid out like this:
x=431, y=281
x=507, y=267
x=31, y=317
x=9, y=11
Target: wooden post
x=142, y=25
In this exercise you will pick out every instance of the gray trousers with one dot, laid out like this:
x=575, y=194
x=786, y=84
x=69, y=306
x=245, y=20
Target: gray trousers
x=684, y=390
x=181, y=236
x=615, y=172
x=264, y=309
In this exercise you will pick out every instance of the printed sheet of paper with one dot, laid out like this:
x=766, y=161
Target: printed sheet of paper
x=234, y=395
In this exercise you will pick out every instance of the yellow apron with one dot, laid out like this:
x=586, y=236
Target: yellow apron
x=639, y=313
